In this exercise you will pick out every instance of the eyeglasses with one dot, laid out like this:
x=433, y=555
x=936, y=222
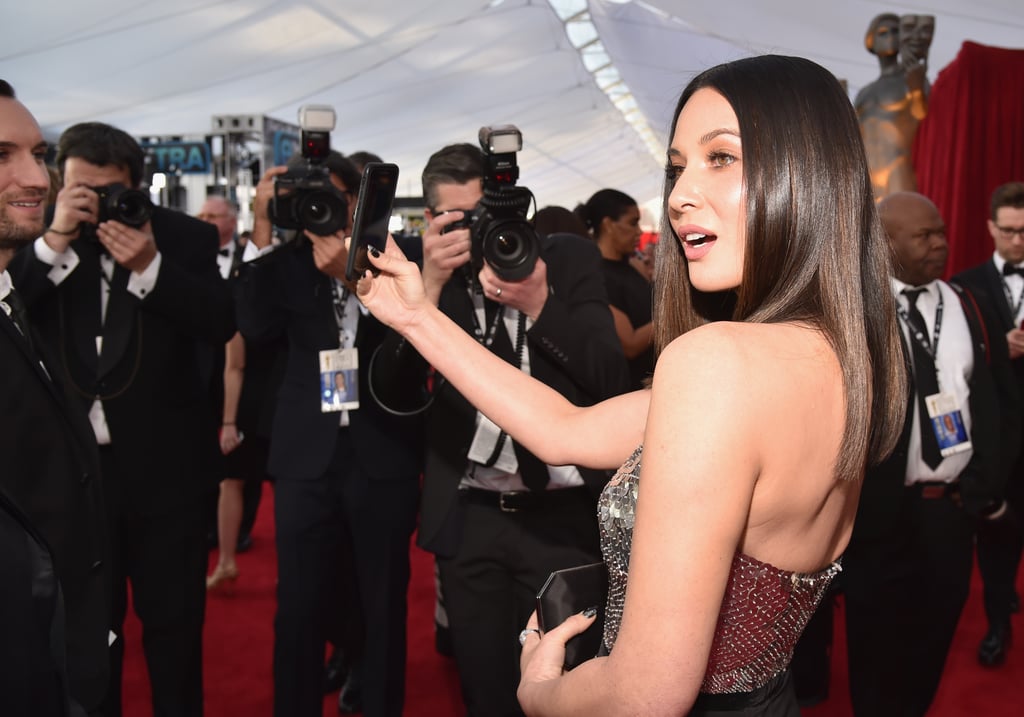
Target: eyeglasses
x=1008, y=232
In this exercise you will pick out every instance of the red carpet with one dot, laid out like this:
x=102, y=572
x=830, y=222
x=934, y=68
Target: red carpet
x=239, y=636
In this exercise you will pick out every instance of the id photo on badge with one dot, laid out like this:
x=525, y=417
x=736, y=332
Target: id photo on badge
x=339, y=390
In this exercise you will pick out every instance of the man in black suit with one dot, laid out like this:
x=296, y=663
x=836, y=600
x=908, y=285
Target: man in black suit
x=497, y=518
x=346, y=482
x=998, y=285
x=907, y=569
x=125, y=302
x=52, y=521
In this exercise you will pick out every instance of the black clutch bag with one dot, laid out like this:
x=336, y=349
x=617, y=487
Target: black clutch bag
x=567, y=592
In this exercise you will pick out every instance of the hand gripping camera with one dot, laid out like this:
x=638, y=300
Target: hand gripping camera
x=501, y=235
x=304, y=197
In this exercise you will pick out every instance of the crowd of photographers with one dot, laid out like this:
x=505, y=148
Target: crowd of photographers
x=139, y=334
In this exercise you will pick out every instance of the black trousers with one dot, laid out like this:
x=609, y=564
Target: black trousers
x=490, y=587
x=904, y=595
x=164, y=557
x=346, y=517
x=999, y=555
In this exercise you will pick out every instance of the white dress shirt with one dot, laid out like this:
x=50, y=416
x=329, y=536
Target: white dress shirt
x=139, y=284
x=1013, y=288
x=954, y=365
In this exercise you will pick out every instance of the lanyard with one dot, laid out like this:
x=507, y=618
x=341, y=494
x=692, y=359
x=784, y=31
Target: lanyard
x=487, y=338
x=346, y=339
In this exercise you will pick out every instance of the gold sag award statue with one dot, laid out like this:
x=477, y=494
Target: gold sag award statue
x=891, y=107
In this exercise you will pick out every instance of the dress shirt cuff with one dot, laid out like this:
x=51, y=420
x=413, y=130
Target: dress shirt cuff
x=63, y=264
x=253, y=252
x=141, y=284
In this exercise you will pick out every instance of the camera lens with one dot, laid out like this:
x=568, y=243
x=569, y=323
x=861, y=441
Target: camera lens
x=511, y=248
x=317, y=211
x=322, y=213
x=128, y=206
x=133, y=208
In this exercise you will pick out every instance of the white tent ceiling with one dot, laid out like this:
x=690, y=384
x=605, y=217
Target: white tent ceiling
x=409, y=76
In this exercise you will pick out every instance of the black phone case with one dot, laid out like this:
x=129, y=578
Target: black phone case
x=357, y=261
x=567, y=592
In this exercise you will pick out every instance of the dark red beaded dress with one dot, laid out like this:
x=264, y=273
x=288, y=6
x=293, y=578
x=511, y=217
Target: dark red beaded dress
x=763, y=613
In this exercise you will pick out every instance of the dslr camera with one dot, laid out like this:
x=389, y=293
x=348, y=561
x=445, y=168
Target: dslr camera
x=123, y=204
x=304, y=197
x=500, y=233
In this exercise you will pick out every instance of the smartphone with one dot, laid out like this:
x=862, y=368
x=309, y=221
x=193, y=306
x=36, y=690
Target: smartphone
x=372, y=215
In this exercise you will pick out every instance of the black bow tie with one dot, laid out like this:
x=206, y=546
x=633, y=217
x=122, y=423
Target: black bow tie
x=225, y=252
x=1009, y=269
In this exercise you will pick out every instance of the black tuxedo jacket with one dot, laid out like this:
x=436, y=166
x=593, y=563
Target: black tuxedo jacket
x=982, y=482
x=985, y=283
x=573, y=348
x=32, y=675
x=50, y=469
x=283, y=294
x=148, y=374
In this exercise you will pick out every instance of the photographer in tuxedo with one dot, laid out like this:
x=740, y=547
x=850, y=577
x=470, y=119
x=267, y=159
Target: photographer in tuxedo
x=346, y=480
x=497, y=518
x=125, y=294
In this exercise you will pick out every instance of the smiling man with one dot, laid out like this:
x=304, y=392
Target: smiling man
x=127, y=295
x=50, y=471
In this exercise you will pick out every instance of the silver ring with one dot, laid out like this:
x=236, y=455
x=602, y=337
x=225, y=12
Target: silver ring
x=526, y=633
x=497, y=292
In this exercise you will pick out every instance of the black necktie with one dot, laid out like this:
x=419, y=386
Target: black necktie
x=1009, y=269
x=19, y=315
x=925, y=377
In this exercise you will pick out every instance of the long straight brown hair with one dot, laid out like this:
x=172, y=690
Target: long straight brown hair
x=815, y=249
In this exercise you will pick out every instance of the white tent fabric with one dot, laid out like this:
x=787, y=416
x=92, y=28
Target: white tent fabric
x=408, y=76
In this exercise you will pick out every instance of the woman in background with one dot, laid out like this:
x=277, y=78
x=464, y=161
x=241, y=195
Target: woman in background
x=614, y=222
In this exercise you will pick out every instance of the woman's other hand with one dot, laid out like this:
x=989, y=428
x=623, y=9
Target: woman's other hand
x=543, y=655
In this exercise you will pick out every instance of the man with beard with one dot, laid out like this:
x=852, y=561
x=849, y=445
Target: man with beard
x=50, y=473
x=127, y=296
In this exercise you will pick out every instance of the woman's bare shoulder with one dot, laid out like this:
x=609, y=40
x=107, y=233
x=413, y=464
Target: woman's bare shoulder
x=705, y=365
x=727, y=356
x=729, y=344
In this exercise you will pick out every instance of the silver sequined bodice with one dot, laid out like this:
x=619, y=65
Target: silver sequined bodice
x=763, y=613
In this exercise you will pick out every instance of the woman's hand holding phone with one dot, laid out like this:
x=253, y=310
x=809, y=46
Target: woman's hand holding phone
x=395, y=296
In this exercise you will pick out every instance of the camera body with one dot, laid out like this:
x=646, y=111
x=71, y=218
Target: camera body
x=304, y=197
x=117, y=202
x=501, y=235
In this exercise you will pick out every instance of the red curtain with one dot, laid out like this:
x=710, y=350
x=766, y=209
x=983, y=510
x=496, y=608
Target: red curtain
x=971, y=141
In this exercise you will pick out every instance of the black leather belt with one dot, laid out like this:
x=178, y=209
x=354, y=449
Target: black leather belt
x=933, y=490
x=515, y=501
